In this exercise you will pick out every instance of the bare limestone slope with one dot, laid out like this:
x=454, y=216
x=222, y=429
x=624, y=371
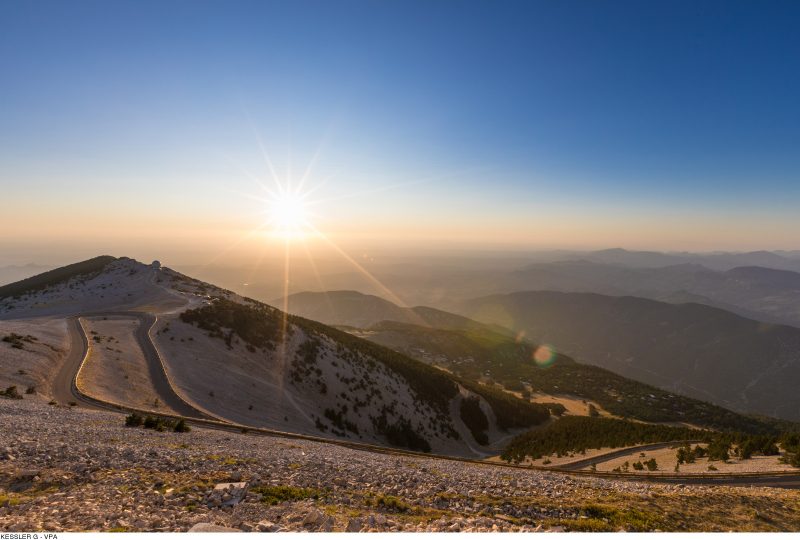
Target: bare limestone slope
x=30, y=352
x=313, y=384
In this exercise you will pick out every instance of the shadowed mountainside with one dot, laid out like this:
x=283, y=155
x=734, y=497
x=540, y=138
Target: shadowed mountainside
x=490, y=353
x=697, y=350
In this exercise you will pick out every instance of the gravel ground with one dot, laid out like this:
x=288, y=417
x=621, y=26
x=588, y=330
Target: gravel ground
x=67, y=469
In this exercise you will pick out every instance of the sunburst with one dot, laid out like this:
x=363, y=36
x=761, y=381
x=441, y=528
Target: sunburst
x=288, y=215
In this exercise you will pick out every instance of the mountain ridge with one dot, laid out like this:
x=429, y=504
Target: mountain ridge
x=248, y=362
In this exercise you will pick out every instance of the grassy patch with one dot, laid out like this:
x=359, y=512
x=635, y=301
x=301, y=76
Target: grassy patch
x=272, y=495
x=391, y=503
x=614, y=518
x=8, y=500
x=228, y=460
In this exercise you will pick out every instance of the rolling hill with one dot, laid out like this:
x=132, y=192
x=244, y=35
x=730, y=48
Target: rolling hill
x=752, y=291
x=492, y=354
x=693, y=349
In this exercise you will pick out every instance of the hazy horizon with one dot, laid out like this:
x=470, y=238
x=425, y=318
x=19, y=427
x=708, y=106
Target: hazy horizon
x=171, y=130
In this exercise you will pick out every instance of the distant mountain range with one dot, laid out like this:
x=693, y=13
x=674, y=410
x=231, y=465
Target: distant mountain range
x=352, y=308
x=443, y=281
x=753, y=291
x=694, y=349
x=691, y=349
x=12, y=273
x=780, y=260
x=786, y=260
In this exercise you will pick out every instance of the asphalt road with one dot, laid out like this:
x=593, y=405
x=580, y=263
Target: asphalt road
x=600, y=458
x=65, y=391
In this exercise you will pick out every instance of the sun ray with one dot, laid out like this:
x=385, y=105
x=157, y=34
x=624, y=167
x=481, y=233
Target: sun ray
x=321, y=284
x=246, y=172
x=285, y=307
x=235, y=243
x=375, y=281
x=288, y=214
x=264, y=154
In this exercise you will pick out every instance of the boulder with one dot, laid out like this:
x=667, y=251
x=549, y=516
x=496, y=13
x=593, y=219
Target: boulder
x=227, y=494
x=354, y=525
x=313, y=518
x=267, y=526
x=211, y=527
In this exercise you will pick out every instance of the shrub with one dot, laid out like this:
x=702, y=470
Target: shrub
x=687, y=454
x=181, y=427
x=11, y=393
x=256, y=325
x=401, y=433
x=746, y=450
x=392, y=504
x=718, y=450
x=510, y=411
x=133, y=420
x=475, y=419
x=577, y=433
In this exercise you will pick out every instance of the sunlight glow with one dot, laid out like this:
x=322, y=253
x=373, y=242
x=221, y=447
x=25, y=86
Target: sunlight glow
x=288, y=216
x=288, y=212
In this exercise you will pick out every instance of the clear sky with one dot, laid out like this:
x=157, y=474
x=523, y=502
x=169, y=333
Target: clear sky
x=141, y=127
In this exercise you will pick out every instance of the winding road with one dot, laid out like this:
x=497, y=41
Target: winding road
x=65, y=391
x=65, y=388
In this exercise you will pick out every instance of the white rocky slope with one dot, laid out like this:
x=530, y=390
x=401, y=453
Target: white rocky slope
x=121, y=285
x=308, y=383
x=30, y=352
x=315, y=381
x=339, y=392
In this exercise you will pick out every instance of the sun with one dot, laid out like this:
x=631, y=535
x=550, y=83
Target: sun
x=288, y=215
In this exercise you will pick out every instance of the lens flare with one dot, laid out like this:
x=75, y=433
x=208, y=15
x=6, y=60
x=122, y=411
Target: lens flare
x=544, y=355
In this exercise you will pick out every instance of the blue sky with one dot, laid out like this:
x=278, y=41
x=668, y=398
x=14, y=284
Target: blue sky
x=452, y=115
